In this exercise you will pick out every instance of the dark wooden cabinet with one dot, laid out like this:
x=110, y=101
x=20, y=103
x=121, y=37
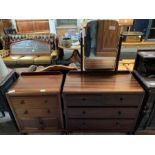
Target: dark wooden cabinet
x=36, y=104
x=100, y=102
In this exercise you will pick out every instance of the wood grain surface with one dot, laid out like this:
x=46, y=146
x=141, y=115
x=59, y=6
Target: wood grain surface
x=108, y=36
x=31, y=85
x=99, y=82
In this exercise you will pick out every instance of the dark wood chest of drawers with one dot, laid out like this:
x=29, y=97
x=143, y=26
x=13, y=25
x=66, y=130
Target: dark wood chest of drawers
x=98, y=102
x=35, y=103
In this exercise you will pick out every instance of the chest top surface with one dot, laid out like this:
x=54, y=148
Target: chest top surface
x=40, y=84
x=93, y=83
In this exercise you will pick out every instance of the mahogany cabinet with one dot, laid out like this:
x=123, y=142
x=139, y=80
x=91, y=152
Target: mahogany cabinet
x=101, y=102
x=36, y=104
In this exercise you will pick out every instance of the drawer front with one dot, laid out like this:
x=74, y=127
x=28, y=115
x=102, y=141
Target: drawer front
x=100, y=125
x=102, y=112
x=83, y=99
x=35, y=102
x=123, y=99
x=32, y=113
x=103, y=99
x=40, y=124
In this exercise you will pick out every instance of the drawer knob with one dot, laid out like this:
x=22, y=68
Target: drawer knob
x=48, y=111
x=25, y=112
x=84, y=123
x=46, y=101
x=83, y=99
x=22, y=102
x=117, y=123
x=121, y=99
x=119, y=112
x=41, y=124
x=84, y=112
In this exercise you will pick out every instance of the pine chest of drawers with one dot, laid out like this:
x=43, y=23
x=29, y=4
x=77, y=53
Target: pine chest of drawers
x=36, y=104
x=99, y=102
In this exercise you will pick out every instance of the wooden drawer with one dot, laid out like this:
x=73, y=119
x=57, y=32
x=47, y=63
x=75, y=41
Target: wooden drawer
x=32, y=113
x=35, y=102
x=123, y=99
x=102, y=112
x=124, y=125
x=103, y=99
x=83, y=99
x=28, y=125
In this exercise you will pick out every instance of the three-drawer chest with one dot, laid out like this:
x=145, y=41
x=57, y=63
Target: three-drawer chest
x=36, y=103
x=101, y=102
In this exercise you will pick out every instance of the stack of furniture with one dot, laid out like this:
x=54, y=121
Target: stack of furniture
x=98, y=100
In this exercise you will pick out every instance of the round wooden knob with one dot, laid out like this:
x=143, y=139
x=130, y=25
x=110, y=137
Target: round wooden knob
x=83, y=123
x=46, y=101
x=117, y=123
x=119, y=112
x=121, y=99
x=25, y=112
x=22, y=102
x=84, y=112
x=83, y=99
